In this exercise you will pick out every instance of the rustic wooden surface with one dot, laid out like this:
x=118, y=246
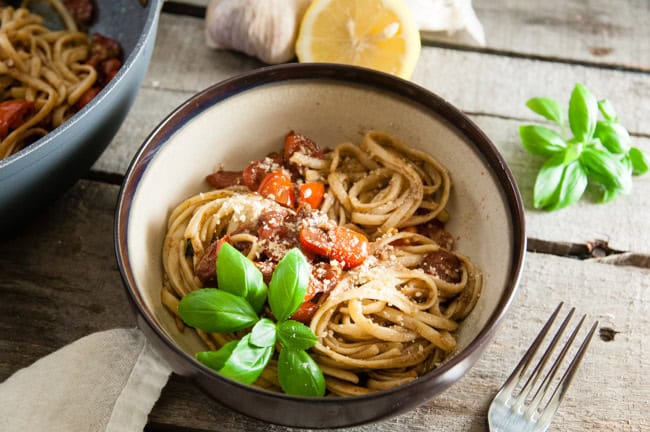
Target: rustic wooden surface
x=59, y=280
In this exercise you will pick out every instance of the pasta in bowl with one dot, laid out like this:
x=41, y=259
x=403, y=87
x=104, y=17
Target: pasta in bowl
x=395, y=209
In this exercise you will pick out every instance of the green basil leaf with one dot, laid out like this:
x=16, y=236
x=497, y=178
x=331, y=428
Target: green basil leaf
x=264, y=333
x=299, y=374
x=606, y=169
x=549, y=108
x=548, y=181
x=573, y=152
x=217, y=359
x=583, y=113
x=613, y=137
x=609, y=195
x=238, y=275
x=572, y=187
x=289, y=284
x=607, y=109
x=640, y=161
x=295, y=335
x=247, y=361
x=540, y=140
x=214, y=310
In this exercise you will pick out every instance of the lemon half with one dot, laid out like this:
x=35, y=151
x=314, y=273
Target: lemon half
x=377, y=34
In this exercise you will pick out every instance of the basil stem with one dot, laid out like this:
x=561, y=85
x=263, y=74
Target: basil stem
x=238, y=275
x=214, y=310
x=299, y=374
x=289, y=284
x=607, y=110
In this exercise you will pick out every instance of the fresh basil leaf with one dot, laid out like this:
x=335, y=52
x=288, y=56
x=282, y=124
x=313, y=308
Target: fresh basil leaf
x=572, y=187
x=247, y=361
x=295, y=335
x=573, y=152
x=583, y=113
x=609, y=195
x=548, y=108
x=217, y=359
x=238, y=275
x=640, y=161
x=613, y=136
x=299, y=374
x=607, y=109
x=264, y=333
x=548, y=181
x=606, y=169
x=289, y=284
x=215, y=310
x=540, y=140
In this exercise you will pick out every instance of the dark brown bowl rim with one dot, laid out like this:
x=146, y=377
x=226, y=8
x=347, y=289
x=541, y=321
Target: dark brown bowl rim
x=359, y=77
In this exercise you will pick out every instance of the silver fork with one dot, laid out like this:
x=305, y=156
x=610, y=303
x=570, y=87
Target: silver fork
x=532, y=408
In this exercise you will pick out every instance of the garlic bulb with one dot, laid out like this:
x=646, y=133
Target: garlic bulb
x=266, y=29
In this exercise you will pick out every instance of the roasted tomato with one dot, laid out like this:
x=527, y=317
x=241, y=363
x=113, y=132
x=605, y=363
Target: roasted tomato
x=86, y=97
x=295, y=142
x=350, y=248
x=316, y=241
x=278, y=186
x=312, y=194
x=13, y=113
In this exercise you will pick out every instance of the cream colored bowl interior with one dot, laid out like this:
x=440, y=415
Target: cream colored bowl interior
x=247, y=126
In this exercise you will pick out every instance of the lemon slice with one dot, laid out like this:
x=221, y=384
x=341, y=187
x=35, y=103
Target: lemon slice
x=378, y=34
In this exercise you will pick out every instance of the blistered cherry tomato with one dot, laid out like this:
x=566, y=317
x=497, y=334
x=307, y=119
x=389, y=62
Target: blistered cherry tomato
x=350, y=248
x=312, y=194
x=278, y=185
x=295, y=142
x=13, y=113
x=316, y=241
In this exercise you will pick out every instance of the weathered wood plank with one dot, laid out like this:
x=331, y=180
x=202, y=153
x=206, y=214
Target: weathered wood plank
x=475, y=82
x=595, y=31
x=67, y=286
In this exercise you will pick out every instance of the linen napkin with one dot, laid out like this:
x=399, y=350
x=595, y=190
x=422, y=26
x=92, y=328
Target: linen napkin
x=107, y=381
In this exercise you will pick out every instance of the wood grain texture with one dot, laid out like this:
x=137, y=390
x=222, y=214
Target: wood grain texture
x=596, y=32
x=68, y=287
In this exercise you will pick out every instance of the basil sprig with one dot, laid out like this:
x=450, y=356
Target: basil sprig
x=235, y=306
x=599, y=155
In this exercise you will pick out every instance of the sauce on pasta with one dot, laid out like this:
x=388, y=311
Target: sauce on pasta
x=47, y=75
x=387, y=288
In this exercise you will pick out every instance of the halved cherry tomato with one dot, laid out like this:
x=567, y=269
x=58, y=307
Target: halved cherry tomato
x=278, y=185
x=12, y=114
x=312, y=194
x=256, y=170
x=350, y=248
x=316, y=241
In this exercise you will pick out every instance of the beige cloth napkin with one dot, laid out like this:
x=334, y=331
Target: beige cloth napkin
x=107, y=381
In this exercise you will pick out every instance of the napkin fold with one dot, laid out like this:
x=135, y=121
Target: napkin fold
x=107, y=381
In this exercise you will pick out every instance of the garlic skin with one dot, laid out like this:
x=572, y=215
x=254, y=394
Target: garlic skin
x=266, y=29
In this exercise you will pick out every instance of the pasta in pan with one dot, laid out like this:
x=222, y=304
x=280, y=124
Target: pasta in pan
x=47, y=75
x=383, y=316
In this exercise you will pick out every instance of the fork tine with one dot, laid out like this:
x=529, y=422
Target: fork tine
x=539, y=368
x=542, y=390
x=562, y=387
x=519, y=371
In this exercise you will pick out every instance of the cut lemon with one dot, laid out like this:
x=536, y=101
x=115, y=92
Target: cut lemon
x=377, y=34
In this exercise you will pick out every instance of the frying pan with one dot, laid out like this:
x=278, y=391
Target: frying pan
x=40, y=172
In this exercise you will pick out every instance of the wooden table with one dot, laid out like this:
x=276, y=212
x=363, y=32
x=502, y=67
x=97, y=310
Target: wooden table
x=59, y=280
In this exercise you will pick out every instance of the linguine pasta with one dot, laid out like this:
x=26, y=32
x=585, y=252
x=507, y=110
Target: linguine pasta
x=379, y=323
x=45, y=75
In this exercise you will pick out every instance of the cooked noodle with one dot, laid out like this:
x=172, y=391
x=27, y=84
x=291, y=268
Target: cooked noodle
x=388, y=320
x=43, y=67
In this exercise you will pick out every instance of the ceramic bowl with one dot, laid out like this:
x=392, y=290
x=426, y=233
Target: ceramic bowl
x=245, y=118
x=40, y=172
